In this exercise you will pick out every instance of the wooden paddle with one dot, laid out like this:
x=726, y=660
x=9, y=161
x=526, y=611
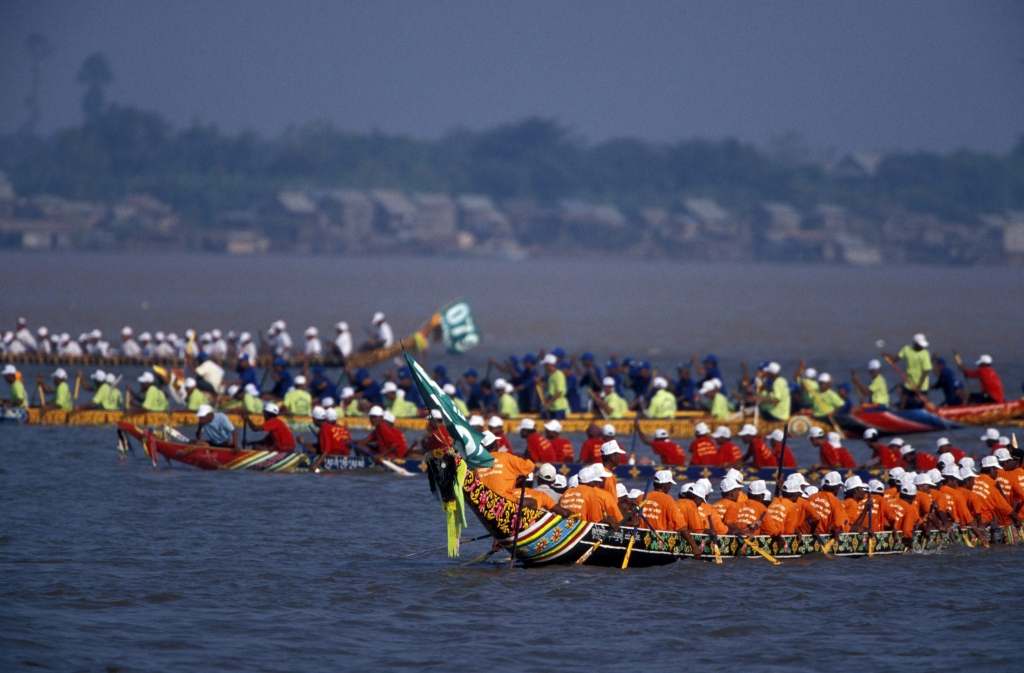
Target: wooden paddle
x=586, y=555
x=629, y=551
x=518, y=525
x=761, y=551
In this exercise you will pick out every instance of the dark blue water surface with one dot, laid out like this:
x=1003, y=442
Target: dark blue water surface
x=115, y=565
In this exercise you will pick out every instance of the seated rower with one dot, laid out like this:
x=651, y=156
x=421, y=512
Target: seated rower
x=663, y=402
x=590, y=450
x=279, y=436
x=883, y=455
x=943, y=445
x=153, y=399
x=195, y=397
x=729, y=504
x=826, y=401
x=538, y=447
x=497, y=428
x=630, y=513
x=826, y=508
x=991, y=385
x=986, y=502
x=751, y=511
x=728, y=453
x=779, y=450
x=876, y=392
x=703, y=450
x=214, y=428
x=659, y=508
x=988, y=485
x=784, y=515
x=902, y=513
x=717, y=403
x=545, y=480
x=757, y=452
x=610, y=403
x=561, y=448
x=61, y=390
x=589, y=500
x=915, y=460
x=710, y=522
x=384, y=439
x=297, y=401
x=611, y=457
x=667, y=451
x=334, y=437
x=18, y=397
x=506, y=472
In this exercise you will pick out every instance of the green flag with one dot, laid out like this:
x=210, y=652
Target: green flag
x=467, y=440
x=457, y=328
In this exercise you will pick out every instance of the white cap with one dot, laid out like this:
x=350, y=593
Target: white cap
x=448, y=389
x=389, y=417
x=757, y=487
x=436, y=414
x=319, y=413
x=204, y=410
x=935, y=475
x=546, y=472
x=834, y=439
x=251, y=389
x=341, y=326
x=984, y=360
x=870, y=433
x=790, y=486
x=776, y=435
x=816, y=432
x=500, y=383
x=527, y=424
x=9, y=370
x=327, y=402
x=126, y=331
x=700, y=490
x=476, y=420
x=831, y=479
x=773, y=368
x=59, y=373
x=1002, y=455
x=733, y=473
x=824, y=377
x=244, y=338
x=553, y=426
x=896, y=472
x=377, y=317
x=42, y=331
x=300, y=380
x=906, y=448
x=729, y=484
x=271, y=408
x=495, y=422
x=951, y=471
x=923, y=479
x=635, y=494
x=216, y=333
x=659, y=382
x=701, y=428
x=332, y=415
x=661, y=433
x=798, y=478
x=608, y=430
x=721, y=432
x=1003, y=441
x=941, y=442
x=991, y=435
x=190, y=382
x=375, y=411
x=549, y=359
x=145, y=337
x=967, y=461
x=853, y=483
x=747, y=430
x=707, y=387
x=147, y=377
x=347, y=392
x=921, y=340
x=664, y=477
x=312, y=331
x=487, y=439
x=233, y=389
x=906, y=488
x=608, y=381
x=388, y=387
x=809, y=491
x=810, y=373
x=592, y=473
x=946, y=458
x=610, y=448
x=989, y=461
x=896, y=441
x=110, y=378
x=571, y=482
x=875, y=486
x=874, y=363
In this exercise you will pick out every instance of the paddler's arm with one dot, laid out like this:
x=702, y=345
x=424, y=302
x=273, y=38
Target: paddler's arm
x=690, y=540
x=639, y=432
x=862, y=390
x=601, y=404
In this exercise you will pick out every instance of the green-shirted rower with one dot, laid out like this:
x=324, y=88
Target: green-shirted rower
x=61, y=390
x=112, y=399
x=775, y=402
x=612, y=404
x=196, y=397
x=663, y=403
x=508, y=406
x=297, y=401
x=251, y=401
x=395, y=402
x=718, y=403
x=826, y=401
x=555, y=400
x=877, y=391
x=459, y=403
x=917, y=362
x=18, y=397
x=153, y=399
x=349, y=402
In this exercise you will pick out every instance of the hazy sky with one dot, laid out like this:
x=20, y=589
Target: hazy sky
x=854, y=74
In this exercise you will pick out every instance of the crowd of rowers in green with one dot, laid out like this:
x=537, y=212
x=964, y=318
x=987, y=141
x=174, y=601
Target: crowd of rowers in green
x=954, y=493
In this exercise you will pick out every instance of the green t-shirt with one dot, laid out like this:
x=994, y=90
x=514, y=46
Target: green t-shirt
x=404, y=409
x=918, y=364
x=112, y=400
x=556, y=390
x=780, y=391
x=252, y=403
x=352, y=408
x=507, y=406
x=196, y=399
x=720, y=407
x=461, y=406
x=617, y=406
x=663, y=405
x=879, y=390
x=825, y=402
x=99, y=398
x=155, y=400
x=18, y=396
x=298, y=402
x=62, y=396
x=810, y=387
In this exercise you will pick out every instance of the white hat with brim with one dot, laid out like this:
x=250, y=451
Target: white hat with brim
x=664, y=477
x=204, y=410
x=989, y=461
x=921, y=340
x=553, y=426
x=747, y=430
x=495, y=422
x=621, y=491
x=833, y=478
x=757, y=487
x=375, y=411
x=1003, y=455
x=611, y=448
x=608, y=430
x=661, y=433
x=527, y=424
x=546, y=472
x=10, y=370
x=271, y=408
x=728, y=484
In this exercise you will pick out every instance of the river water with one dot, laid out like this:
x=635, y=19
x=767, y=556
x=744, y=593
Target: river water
x=111, y=565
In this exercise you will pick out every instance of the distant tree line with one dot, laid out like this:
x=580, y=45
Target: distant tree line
x=201, y=170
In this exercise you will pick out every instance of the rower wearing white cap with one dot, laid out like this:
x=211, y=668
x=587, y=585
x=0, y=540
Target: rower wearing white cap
x=459, y=403
x=349, y=402
x=246, y=347
x=12, y=346
x=23, y=335
x=279, y=436
x=129, y=347
x=902, y=512
x=508, y=406
x=728, y=452
x=826, y=402
x=991, y=385
x=917, y=364
x=775, y=399
x=496, y=425
x=784, y=515
x=508, y=471
x=990, y=484
x=991, y=439
x=663, y=402
x=950, y=500
x=716, y=403
x=589, y=500
x=153, y=398
x=668, y=452
x=554, y=398
x=659, y=508
x=703, y=450
x=298, y=401
x=342, y=340
x=61, y=391
x=876, y=393
x=612, y=456
x=313, y=348
x=384, y=438
x=214, y=428
x=611, y=404
x=780, y=452
x=828, y=511
x=560, y=449
x=382, y=336
x=943, y=446
x=196, y=398
x=728, y=505
x=751, y=511
x=807, y=378
x=251, y=400
x=545, y=479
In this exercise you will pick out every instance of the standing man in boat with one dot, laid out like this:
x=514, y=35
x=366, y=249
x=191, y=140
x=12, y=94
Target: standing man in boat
x=917, y=366
x=554, y=400
x=214, y=428
x=18, y=398
x=279, y=436
x=663, y=402
x=382, y=336
x=991, y=385
x=342, y=341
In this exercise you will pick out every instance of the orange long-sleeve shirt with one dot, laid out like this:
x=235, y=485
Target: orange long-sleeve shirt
x=903, y=517
x=661, y=512
x=502, y=475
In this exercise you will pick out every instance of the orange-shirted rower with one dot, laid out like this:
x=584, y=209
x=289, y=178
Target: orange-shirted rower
x=751, y=511
x=828, y=511
x=660, y=511
x=505, y=474
x=902, y=513
x=589, y=500
x=986, y=484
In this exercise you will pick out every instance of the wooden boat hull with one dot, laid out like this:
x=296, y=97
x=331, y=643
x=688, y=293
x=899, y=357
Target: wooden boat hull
x=890, y=421
x=546, y=538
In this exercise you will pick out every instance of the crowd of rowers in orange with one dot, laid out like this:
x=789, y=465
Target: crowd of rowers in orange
x=951, y=493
